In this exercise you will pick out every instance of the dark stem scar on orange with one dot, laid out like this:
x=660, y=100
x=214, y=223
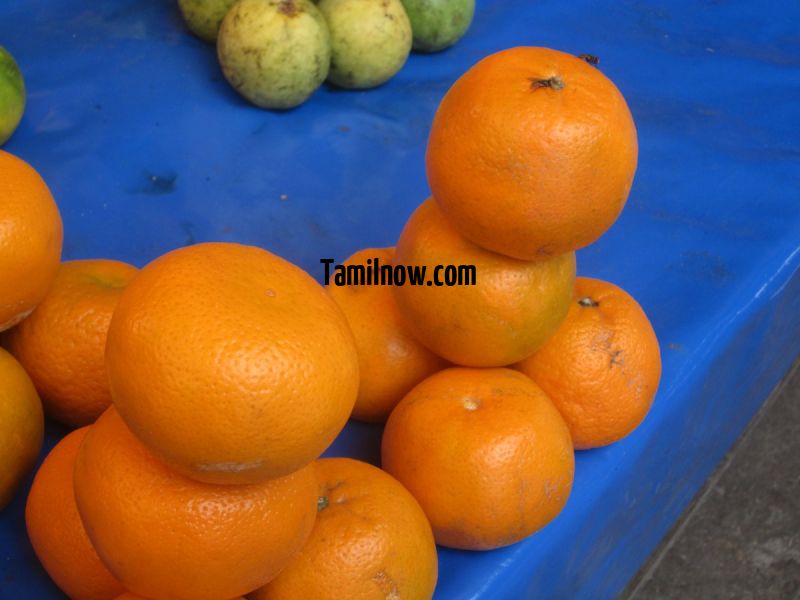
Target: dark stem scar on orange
x=322, y=503
x=588, y=302
x=555, y=82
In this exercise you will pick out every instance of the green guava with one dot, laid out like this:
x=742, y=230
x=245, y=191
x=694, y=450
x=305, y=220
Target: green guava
x=275, y=53
x=438, y=24
x=370, y=40
x=203, y=17
x=12, y=95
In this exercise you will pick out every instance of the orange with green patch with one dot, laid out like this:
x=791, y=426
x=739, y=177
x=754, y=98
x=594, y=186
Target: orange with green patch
x=511, y=310
x=62, y=344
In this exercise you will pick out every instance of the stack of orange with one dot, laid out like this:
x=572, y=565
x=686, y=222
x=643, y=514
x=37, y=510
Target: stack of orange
x=531, y=156
x=205, y=387
x=207, y=384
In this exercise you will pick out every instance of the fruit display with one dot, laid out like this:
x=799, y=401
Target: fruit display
x=277, y=53
x=207, y=388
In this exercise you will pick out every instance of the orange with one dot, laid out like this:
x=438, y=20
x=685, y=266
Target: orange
x=513, y=308
x=56, y=531
x=391, y=360
x=31, y=234
x=371, y=540
x=62, y=344
x=21, y=426
x=485, y=453
x=602, y=367
x=164, y=535
x=230, y=363
x=532, y=153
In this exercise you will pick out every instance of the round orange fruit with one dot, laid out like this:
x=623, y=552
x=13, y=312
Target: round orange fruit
x=371, y=540
x=164, y=535
x=484, y=452
x=62, y=344
x=532, y=153
x=31, y=235
x=56, y=531
x=391, y=360
x=230, y=363
x=603, y=365
x=511, y=309
x=21, y=426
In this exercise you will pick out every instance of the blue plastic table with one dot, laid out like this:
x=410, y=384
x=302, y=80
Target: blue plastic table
x=146, y=148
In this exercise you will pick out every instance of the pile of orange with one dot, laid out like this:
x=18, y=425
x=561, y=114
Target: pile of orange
x=206, y=385
x=531, y=157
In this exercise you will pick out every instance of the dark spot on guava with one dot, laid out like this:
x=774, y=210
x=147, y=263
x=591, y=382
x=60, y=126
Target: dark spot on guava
x=288, y=8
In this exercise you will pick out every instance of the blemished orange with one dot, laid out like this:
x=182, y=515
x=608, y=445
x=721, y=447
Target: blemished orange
x=511, y=310
x=532, y=153
x=21, y=426
x=484, y=452
x=56, y=531
x=371, y=540
x=31, y=234
x=230, y=363
x=391, y=360
x=602, y=366
x=165, y=535
x=62, y=344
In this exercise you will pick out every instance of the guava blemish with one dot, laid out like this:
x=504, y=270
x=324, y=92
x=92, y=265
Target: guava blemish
x=288, y=8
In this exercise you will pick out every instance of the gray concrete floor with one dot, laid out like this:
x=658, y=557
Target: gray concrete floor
x=740, y=538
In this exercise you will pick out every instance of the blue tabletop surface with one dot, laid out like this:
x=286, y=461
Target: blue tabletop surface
x=146, y=148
